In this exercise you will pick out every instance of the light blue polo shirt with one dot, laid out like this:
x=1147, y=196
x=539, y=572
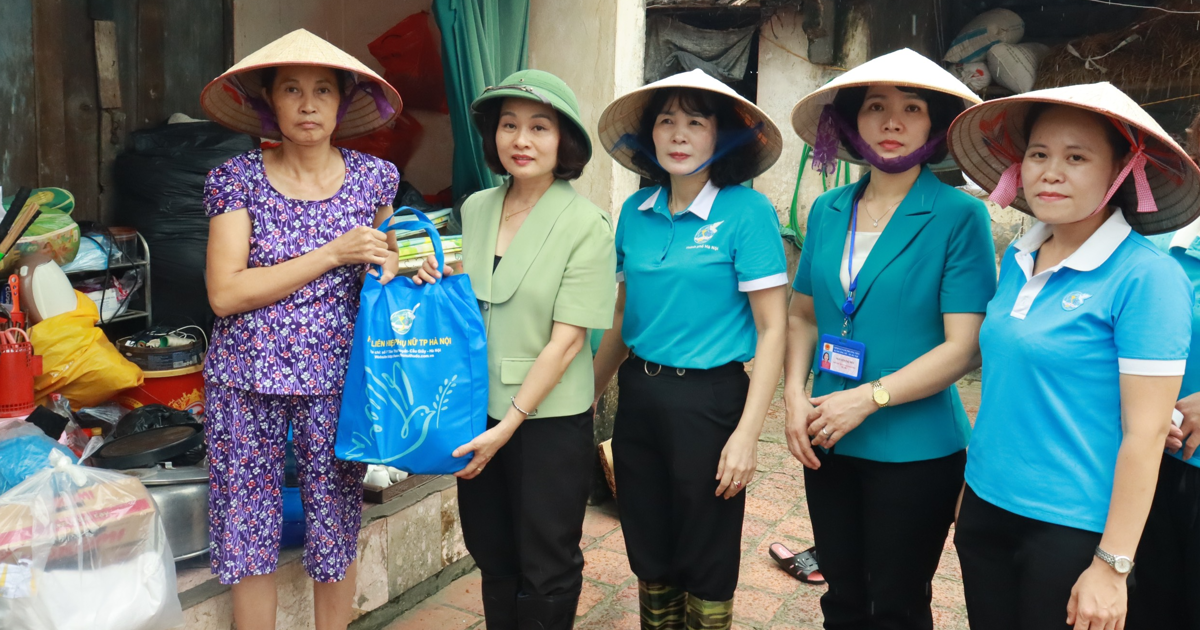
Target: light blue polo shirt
x=686, y=276
x=1054, y=346
x=1189, y=259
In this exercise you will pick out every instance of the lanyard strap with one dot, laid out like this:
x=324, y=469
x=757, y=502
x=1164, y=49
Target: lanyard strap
x=848, y=307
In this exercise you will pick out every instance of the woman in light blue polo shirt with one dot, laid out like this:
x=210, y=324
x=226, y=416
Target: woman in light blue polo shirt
x=892, y=283
x=1168, y=584
x=701, y=275
x=1083, y=348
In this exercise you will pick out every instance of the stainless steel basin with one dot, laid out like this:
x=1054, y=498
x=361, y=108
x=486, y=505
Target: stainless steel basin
x=181, y=495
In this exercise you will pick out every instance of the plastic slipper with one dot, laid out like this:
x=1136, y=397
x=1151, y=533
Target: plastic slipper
x=802, y=566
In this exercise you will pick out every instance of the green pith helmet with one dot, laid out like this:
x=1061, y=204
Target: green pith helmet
x=535, y=85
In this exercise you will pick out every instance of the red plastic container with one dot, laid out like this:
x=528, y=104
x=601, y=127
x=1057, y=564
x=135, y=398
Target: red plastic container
x=18, y=366
x=181, y=389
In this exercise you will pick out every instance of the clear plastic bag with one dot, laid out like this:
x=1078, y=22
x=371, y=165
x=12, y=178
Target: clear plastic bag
x=84, y=548
x=24, y=450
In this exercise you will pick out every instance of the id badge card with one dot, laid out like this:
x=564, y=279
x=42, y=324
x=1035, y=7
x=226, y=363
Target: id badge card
x=843, y=357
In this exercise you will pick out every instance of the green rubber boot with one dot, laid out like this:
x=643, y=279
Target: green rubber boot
x=706, y=615
x=662, y=606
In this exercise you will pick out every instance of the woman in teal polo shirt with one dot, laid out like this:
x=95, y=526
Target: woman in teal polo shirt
x=1084, y=347
x=702, y=274
x=892, y=283
x=1168, y=584
x=540, y=258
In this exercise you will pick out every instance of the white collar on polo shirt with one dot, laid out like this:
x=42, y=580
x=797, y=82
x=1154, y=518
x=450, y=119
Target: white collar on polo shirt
x=1094, y=251
x=1184, y=237
x=701, y=205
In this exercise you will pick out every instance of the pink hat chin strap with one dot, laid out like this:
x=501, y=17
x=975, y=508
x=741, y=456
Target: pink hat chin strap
x=1007, y=187
x=1010, y=183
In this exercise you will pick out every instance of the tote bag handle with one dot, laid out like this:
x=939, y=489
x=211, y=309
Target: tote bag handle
x=422, y=222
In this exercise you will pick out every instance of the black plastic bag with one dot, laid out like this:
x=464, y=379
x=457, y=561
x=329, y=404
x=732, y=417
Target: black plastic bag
x=157, y=416
x=160, y=186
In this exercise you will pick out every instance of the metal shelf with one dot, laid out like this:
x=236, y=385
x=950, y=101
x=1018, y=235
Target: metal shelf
x=116, y=267
x=144, y=263
x=128, y=314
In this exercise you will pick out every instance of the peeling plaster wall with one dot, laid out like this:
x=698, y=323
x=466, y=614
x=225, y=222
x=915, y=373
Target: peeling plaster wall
x=597, y=47
x=784, y=77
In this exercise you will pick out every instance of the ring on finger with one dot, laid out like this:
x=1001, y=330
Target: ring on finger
x=825, y=432
x=737, y=484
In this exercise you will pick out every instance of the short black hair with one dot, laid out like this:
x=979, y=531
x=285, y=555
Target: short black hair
x=735, y=167
x=1126, y=195
x=943, y=108
x=573, y=152
x=267, y=76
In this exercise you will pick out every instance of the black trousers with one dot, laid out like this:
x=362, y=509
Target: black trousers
x=668, y=436
x=523, y=515
x=1017, y=571
x=880, y=528
x=1167, y=566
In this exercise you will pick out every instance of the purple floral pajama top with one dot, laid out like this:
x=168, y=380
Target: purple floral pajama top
x=299, y=345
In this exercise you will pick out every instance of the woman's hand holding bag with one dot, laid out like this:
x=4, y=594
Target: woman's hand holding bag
x=417, y=385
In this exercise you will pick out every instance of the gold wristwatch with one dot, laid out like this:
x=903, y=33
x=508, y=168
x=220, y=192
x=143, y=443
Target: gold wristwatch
x=880, y=394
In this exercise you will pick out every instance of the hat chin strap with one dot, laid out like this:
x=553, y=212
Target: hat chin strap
x=825, y=153
x=266, y=116
x=376, y=92
x=725, y=144
x=1010, y=182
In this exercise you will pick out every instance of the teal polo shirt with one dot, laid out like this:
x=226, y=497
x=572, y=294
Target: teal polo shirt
x=1189, y=259
x=1054, y=346
x=686, y=276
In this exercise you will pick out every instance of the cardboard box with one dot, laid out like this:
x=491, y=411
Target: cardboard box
x=104, y=523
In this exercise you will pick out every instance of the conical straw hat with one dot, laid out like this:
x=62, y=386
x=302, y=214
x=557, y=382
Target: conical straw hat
x=903, y=68
x=1175, y=186
x=227, y=99
x=623, y=117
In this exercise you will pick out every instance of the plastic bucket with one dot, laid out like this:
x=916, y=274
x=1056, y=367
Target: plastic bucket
x=181, y=389
x=18, y=366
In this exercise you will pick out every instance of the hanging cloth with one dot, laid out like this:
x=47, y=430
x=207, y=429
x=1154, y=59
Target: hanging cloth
x=483, y=41
x=673, y=47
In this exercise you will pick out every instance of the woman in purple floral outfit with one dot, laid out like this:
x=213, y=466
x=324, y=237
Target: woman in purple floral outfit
x=291, y=233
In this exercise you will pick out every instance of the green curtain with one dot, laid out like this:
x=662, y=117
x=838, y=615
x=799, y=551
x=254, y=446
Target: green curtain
x=483, y=41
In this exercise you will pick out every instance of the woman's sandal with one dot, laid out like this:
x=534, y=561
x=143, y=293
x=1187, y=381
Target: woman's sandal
x=802, y=566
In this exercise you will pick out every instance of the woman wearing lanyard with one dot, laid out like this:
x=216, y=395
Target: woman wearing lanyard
x=894, y=278
x=1167, y=584
x=1083, y=349
x=289, y=238
x=702, y=275
x=540, y=257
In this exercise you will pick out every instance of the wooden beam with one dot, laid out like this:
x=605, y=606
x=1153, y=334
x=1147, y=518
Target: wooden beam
x=48, y=57
x=81, y=110
x=151, y=73
x=108, y=75
x=18, y=98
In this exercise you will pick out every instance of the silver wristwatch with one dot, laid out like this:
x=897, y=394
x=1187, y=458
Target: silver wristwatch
x=1120, y=564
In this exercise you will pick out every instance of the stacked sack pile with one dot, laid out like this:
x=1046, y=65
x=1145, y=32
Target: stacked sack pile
x=988, y=50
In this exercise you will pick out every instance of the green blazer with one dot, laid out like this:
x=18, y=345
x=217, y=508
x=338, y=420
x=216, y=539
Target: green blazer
x=560, y=267
x=935, y=256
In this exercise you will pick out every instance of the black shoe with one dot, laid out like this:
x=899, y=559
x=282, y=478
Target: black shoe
x=555, y=612
x=500, y=601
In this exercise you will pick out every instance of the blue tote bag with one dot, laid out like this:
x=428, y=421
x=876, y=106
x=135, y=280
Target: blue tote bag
x=417, y=385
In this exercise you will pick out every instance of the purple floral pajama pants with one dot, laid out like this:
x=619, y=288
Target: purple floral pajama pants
x=247, y=433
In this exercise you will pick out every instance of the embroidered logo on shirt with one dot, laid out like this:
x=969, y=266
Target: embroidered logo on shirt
x=706, y=233
x=402, y=321
x=1074, y=300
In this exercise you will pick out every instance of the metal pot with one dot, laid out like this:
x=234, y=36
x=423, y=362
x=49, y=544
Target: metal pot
x=181, y=495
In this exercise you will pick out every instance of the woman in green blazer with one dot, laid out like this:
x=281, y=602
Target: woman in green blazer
x=541, y=261
x=891, y=288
